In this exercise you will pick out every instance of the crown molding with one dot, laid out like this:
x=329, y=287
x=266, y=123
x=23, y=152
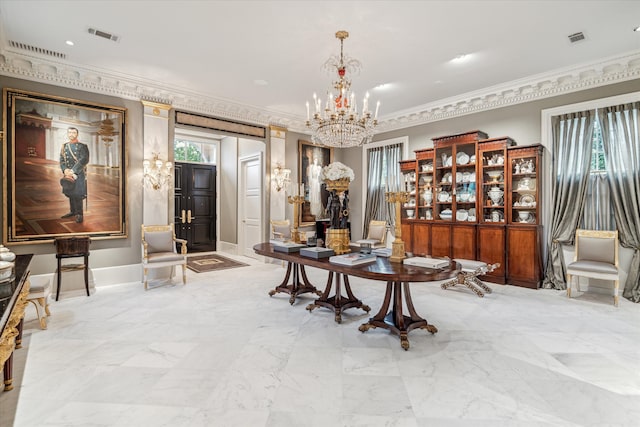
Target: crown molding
x=558, y=82
x=608, y=71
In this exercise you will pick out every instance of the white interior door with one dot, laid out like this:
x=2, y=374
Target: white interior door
x=250, y=209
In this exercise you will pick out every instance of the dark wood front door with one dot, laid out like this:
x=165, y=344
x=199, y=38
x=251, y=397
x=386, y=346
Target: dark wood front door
x=195, y=205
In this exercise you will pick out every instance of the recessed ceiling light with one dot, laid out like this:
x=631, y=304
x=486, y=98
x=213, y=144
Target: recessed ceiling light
x=637, y=29
x=69, y=42
x=260, y=82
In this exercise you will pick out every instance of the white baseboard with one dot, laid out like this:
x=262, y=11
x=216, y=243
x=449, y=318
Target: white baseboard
x=231, y=248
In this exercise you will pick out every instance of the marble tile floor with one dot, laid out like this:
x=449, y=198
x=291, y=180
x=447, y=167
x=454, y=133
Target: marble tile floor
x=220, y=352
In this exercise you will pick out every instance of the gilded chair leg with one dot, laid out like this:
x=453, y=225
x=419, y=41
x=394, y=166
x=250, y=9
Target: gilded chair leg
x=41, y=319
x=46, y=306
x=184, y=274
x=615, y=293
x=145, y=271
x=569, y=285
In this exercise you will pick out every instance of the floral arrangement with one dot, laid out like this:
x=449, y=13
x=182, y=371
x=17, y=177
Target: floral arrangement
x=335, y=171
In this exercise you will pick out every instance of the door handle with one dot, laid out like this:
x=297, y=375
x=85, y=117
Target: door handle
x=183, y=216
x=189, y=217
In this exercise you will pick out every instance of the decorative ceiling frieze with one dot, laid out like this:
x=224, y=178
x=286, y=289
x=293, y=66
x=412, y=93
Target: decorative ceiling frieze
x=559, y=82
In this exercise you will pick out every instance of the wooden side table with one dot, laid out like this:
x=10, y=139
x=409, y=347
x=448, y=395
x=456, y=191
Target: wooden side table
x=72, y=247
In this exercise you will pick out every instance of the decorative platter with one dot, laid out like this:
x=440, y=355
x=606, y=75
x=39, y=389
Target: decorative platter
x=462, y=158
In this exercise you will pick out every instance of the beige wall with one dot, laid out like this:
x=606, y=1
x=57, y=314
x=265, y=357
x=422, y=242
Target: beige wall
x=521, y=122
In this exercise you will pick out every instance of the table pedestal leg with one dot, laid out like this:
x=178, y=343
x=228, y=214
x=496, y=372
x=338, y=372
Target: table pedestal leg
x=395, y=320
x=296, y=287
x=338, y=303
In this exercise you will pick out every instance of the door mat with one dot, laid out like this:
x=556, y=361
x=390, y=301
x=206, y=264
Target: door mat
x=204, y=263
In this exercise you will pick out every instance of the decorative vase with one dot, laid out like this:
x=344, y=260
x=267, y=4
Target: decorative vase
x=6, y=254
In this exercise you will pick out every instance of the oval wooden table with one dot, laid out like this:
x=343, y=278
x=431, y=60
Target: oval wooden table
x=397, y=276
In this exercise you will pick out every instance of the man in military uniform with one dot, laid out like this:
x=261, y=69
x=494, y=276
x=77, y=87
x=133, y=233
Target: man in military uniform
x=74, y=156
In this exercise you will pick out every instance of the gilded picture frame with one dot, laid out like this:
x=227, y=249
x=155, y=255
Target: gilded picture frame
x=311, y=158
x=35, y=151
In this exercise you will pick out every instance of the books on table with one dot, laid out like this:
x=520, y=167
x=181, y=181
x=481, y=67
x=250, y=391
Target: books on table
x=354, y=258
x=426, y=262
x=316, y=252
x=286, y=247
x=385, y=252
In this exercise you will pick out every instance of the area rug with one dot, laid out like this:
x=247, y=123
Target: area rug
x=211, y=262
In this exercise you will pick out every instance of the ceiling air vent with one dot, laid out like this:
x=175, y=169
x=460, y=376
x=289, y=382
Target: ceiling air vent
x=103, y=34
x=576, y=37
x=38, y=50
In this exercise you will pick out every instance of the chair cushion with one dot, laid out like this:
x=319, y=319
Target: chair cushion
x=376, y=232
x=591, y=267
x=469, y=265
x=282, y=231
x=38, y=285
x=596, y=249
x=159, y=241
x=165, y=257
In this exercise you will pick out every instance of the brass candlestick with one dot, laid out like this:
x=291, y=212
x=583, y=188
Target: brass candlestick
x=399, y=197
x=295, y=201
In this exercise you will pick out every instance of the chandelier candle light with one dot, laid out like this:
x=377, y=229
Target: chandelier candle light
x=339, y=124
x=156, y=173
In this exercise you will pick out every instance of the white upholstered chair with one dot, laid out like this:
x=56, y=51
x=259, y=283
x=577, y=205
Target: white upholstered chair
x=596, y=257
x=159, y=250
x=377, y=234
x=281, y=229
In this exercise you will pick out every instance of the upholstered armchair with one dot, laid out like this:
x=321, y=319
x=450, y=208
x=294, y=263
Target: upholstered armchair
x=377, y=234
x=281, y=229
x=159, y=250
x=596, y=257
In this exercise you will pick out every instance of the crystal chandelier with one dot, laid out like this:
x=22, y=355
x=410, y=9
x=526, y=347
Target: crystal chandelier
x=338, y=124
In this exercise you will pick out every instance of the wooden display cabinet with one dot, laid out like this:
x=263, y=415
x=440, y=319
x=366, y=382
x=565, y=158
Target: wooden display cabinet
x=469, y=195
x=408, y=184
x=492, y=178
x=424, y=191
x=524, y=230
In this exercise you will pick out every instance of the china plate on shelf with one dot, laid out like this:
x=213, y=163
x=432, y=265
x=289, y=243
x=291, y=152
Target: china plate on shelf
x=449, y=161
x=443, y=196
x=527, y=200
x=446, y=178
x=462, y=158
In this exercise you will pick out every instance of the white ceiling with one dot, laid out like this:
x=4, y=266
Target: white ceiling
x=218, y=50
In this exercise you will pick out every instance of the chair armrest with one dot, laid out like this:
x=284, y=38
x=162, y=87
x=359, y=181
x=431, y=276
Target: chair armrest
x=183, y=249
x=145, y=248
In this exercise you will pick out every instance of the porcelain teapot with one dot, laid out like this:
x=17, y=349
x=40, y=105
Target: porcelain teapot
x=6, y=254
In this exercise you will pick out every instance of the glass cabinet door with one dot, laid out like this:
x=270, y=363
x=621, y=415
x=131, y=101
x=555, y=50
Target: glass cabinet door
x=464, y=176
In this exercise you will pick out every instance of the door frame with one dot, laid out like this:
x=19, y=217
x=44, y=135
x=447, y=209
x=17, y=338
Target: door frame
x=241, y=201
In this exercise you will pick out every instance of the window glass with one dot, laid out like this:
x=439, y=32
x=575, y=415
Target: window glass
x=187, y=150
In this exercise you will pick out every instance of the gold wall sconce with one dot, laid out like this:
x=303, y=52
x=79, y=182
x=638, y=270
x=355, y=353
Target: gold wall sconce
x=281, y=177
x=156, y=172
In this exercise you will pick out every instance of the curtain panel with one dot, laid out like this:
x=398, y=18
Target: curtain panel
x=621, y=138
x=383, y=166
x=571, y=158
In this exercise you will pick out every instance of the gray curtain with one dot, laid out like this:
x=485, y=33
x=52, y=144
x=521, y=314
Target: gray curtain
x=598, y=212
x=621, y=138
x=570, y=166
x=384, y=171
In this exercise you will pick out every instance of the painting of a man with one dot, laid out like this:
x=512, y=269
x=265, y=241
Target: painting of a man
x=74, y=157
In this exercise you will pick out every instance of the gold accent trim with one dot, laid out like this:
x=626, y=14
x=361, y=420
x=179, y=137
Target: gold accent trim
x=155, y=105
x=338, y=240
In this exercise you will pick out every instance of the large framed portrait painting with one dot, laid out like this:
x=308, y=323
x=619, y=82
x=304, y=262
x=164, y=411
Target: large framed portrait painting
x=312, y=158
x=64, y=173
